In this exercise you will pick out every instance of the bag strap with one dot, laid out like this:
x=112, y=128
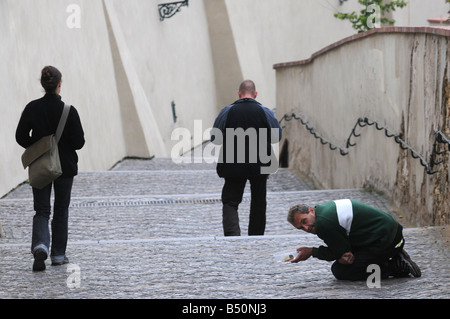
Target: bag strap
x=62, y=122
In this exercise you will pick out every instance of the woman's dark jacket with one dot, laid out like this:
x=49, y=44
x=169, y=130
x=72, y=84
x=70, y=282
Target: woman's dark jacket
x=40, y=118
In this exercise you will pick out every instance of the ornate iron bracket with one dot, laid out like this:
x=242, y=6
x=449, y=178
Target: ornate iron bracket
x=168, y=10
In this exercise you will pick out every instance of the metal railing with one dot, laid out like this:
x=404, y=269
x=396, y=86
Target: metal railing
x=440, y=138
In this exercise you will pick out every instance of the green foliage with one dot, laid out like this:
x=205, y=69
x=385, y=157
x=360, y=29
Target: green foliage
x=448, y=1
x=372, y=13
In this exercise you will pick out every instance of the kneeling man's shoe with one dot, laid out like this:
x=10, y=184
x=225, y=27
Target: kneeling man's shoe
x=409, y=265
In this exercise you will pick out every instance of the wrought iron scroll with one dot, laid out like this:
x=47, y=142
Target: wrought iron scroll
x=168, y=10
x=440, y=138
x=324, y=141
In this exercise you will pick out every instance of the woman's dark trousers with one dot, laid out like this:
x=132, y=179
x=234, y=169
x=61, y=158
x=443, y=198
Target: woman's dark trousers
x=59, y=223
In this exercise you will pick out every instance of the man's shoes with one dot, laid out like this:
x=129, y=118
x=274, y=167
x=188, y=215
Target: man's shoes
x=65, y=261
x=40, y=255
x=404, y=265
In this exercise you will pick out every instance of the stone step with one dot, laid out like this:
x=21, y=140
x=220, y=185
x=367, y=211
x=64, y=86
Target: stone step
x=146, y=229
x=165, y=216
x=161, y=182
x=213, y=268
x=150, y=199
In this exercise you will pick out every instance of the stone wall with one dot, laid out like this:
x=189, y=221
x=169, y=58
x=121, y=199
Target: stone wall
x=395, y=76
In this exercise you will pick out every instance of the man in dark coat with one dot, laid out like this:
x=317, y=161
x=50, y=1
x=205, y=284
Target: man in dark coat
x=248, y=130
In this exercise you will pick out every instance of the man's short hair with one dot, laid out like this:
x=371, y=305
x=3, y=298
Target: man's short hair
x=247, y=86
x=300, y=209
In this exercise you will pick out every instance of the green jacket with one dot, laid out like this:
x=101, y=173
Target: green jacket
x=347, y=226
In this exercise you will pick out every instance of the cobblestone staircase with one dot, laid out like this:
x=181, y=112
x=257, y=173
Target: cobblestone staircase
x=152, y=229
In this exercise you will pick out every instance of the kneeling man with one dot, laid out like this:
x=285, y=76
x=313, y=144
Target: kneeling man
x=356, y=235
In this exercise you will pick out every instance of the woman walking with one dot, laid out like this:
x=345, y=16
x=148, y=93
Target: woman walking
x=40, y=118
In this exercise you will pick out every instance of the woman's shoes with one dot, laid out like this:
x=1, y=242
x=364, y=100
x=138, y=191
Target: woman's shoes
x=59, y=263
x=40, y=255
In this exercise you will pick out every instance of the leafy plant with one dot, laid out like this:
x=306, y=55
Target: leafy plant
x=372, y=14
x=448, y=1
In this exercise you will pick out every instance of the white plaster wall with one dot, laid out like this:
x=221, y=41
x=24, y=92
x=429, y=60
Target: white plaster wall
x=269, y=32
x=121, y=69
x=173, y=62
x=35, y=34
x=417, y=12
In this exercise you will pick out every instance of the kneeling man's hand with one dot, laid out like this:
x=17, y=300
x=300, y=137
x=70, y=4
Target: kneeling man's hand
x=347, y=258
x=303, y=254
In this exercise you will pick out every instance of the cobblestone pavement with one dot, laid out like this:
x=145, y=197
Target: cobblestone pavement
x=152, y=229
